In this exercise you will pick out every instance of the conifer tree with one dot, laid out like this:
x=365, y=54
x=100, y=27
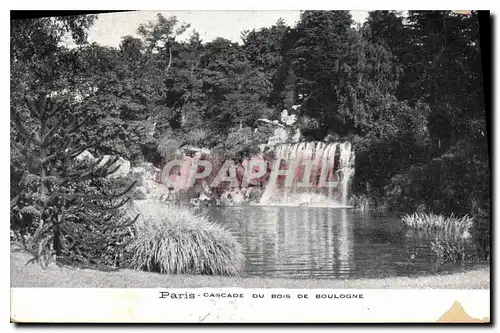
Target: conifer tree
x=67, y=208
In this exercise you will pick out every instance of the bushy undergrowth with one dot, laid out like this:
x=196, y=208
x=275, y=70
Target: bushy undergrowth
x=77, y=225
x=173, y=240
x=452, y=225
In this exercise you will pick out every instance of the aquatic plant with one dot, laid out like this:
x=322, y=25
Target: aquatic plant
x=458, y=251
x=173, y=240
x=452, y=225
x=360, y=203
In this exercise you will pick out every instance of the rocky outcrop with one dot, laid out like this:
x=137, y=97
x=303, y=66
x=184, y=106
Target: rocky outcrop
x=279, y=131
x=146, y=186
x=145, y=176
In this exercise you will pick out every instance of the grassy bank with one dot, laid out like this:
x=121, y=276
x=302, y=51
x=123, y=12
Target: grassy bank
x=32, y=276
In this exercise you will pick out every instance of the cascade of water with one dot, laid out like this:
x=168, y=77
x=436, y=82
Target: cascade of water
x=335, y=160
x=346, y=168
x=330, y=163
x=318, y=154
x=307, y=155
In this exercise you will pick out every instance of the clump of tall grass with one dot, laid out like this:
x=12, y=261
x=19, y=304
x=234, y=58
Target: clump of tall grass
x=361, y=203
x=451, y=226
x=173, y=240
x=458, y=251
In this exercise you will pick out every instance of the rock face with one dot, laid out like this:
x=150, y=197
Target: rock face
x=280, y=136
x=281, y=131
x=297, y=135
x=238, y=196
x=275, y=132
x=147, y=187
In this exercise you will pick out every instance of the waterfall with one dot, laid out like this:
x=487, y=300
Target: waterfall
x=346, y=167
x=329, y=178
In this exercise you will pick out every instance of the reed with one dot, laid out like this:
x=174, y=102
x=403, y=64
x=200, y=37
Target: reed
x=453, y=226
x=361, y=203
x=457, y=251
x=173, y=240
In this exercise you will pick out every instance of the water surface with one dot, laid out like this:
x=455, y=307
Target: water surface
x=313, y=242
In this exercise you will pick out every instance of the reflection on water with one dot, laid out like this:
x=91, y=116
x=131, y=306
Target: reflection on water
x=325, y=243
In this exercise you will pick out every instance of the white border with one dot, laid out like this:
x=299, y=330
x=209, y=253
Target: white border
x=277, y=305
x=256, y=4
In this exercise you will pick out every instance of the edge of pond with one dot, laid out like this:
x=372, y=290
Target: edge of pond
x=32, y=276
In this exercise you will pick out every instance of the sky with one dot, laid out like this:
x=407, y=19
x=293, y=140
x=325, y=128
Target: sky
x=111, y=27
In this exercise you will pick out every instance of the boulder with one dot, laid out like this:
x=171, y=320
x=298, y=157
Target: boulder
x=254, y=194
x=195, y=201
x=141, y=193
x=280, y=136
x=150, y=170
x=296, y=135
x=138, y=172
x=204, y=197
x=85, y=156
x=237, y=196
x=225, y=202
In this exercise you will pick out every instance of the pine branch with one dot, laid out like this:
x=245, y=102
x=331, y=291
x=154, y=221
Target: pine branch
x=103, y=208
x=22, y=130
x=52, y=111
x=24, y=149
x=40, y=105
x=31, y=106
x=126, y=191
x=91, y=173
x=71, y=125
x=49, y=137
x=75, y=126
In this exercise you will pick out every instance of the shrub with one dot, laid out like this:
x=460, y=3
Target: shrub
x=238, y=145
x=452, y=225
x=173, y=240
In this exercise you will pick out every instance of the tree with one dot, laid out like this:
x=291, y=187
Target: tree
x=346, y=80
x=266, y=48
x=67, y=209
x=386, y=27
x=440, y=58
x=36, y=64
x=34, y=46
x=130, y=88
x=218, y=89
x=445, y=72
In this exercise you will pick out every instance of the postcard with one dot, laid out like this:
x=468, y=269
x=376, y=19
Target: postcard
x=313, y=166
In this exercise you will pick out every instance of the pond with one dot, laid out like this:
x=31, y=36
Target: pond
x=312, y=242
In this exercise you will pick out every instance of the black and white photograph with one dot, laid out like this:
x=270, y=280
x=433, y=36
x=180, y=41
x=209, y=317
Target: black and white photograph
x=341, y=150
